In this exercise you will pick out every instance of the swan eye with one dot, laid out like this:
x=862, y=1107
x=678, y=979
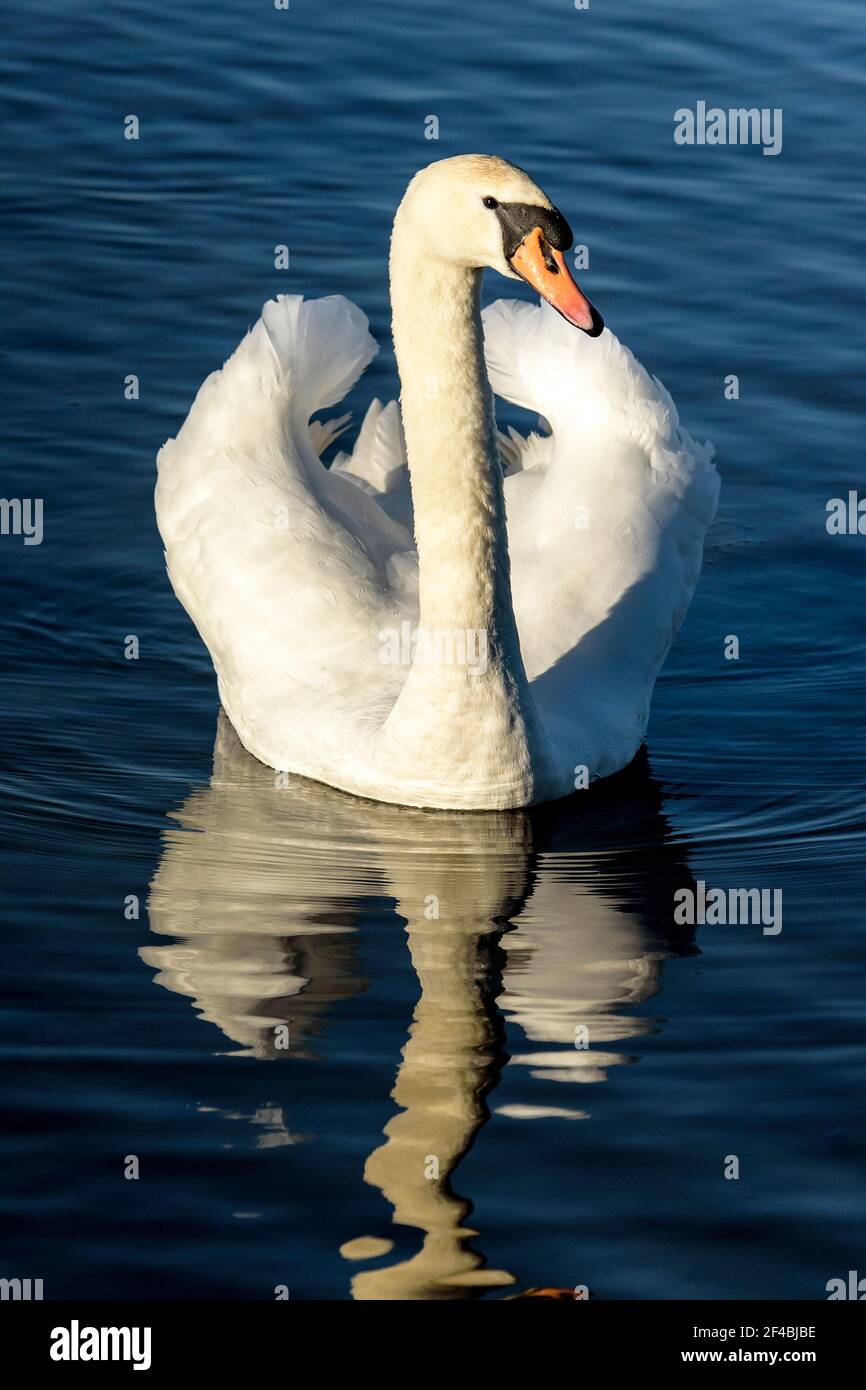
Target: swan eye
x=490, y=202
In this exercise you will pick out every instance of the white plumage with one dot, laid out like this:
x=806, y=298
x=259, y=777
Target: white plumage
x=300, y=578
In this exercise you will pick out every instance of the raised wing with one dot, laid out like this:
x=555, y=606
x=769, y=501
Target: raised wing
x=606, y=518
x=282, y=564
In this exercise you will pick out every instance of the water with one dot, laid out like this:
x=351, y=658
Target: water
x=155, y=1036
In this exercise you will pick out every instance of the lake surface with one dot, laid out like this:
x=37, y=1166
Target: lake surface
x=153, y=1032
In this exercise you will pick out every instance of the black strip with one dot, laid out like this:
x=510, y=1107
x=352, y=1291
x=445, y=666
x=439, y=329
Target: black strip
x=518, y=219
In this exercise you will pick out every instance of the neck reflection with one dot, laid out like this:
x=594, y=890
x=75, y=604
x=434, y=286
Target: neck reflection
x=553, y=922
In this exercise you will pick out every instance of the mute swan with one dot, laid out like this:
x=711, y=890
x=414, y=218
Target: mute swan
x=508, y=653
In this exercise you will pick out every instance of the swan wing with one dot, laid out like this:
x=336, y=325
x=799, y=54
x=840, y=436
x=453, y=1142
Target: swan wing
x=289, y=570
x=607, y=516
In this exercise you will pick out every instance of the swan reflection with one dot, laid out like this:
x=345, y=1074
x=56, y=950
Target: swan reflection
x=550, y=923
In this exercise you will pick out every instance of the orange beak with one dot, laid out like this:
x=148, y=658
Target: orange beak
x=536, y=262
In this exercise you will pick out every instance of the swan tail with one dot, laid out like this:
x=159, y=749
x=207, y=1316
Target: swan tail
x=323, y=433
x=378, y=460
x=520, y=452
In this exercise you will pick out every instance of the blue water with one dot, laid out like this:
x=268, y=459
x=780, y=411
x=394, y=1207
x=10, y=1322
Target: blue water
x=155, y=1036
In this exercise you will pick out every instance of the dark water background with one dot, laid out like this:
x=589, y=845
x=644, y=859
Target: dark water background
x=155, y=1037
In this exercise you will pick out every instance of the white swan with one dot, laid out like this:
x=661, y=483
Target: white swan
x=534, y=641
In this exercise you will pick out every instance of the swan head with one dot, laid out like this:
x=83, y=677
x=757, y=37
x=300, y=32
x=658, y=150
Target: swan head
x=479, y=211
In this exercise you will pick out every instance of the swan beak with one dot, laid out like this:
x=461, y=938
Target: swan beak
x=544, y=268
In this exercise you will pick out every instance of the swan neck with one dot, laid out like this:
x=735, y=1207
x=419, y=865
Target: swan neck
x=448, y=416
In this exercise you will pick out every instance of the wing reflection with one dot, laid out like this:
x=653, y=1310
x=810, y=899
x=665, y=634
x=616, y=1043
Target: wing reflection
x=262, y=901
x=506, y=920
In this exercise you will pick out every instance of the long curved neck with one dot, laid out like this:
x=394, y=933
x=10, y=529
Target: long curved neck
x=464, y=723
x=453, y=458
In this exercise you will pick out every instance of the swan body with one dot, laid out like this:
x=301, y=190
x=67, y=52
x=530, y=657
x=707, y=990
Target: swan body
x=418, y=623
